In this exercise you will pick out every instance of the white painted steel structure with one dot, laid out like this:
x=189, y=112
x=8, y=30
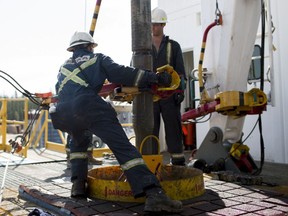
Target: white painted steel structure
x=227, y=56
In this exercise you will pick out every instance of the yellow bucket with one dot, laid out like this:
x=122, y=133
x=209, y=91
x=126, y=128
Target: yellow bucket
x=179, y=182
x=154, y=162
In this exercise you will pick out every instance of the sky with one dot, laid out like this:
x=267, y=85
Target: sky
x=36, y=33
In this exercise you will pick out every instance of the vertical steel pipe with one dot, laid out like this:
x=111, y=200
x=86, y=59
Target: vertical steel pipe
x=142, y=58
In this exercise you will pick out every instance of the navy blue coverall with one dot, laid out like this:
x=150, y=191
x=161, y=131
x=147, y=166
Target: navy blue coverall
x=170, y=53
x=80, y=108
x=69, y=142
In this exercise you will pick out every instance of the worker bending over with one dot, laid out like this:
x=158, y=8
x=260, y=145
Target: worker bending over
x=80, y=108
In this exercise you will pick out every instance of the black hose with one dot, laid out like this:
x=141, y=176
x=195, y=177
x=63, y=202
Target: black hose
x=262, y=52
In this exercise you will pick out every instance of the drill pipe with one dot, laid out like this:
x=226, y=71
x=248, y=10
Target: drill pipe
x=141, y=47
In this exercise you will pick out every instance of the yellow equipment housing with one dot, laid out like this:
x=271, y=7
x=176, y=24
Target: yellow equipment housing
x=239, y=149
x=238, y=103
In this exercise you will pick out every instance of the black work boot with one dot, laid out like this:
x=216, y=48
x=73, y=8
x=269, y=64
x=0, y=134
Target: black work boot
x=79, y=189
x=157, y=201
x=178, y=162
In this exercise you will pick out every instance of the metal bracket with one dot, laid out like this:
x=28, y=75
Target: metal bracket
x=212, y=149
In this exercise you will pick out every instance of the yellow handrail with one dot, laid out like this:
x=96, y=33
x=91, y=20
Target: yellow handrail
x=36, y=133
x=39, y=130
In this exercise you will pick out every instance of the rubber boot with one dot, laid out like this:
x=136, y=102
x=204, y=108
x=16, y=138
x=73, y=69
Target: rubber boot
x=158, y=201
x=79, y=189
x=92, y=160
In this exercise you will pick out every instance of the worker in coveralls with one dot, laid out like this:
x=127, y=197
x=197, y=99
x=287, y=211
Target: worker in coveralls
x=167, y=51
x=81, y=109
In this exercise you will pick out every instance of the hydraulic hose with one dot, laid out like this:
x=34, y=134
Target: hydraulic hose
x=203, y=92
x=262, y=146
x=200, y=68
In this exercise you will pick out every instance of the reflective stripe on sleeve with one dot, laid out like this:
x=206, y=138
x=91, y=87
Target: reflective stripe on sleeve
x=132, y=163
x=139, y=76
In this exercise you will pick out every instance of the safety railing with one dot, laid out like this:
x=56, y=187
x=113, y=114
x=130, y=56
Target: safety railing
x=4, y=122
x=42, y=135
x=38, y=133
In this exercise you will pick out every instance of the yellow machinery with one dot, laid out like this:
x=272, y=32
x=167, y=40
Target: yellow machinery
x=227, y=100
x=237, y=103
x=126, y=93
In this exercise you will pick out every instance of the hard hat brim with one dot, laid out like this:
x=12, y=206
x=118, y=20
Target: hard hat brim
x=71, y=48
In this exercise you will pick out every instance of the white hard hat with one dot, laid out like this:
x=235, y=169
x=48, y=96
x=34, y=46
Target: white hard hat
x=81, y=38
x=158, y=16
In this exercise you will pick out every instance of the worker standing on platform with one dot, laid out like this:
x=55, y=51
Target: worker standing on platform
x=167, y=51
x=80, y=108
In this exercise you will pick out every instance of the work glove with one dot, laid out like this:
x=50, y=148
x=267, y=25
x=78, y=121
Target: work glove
x=178, y=97
x=164, y=79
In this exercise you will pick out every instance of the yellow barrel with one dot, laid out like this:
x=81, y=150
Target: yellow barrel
x=110, y=183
